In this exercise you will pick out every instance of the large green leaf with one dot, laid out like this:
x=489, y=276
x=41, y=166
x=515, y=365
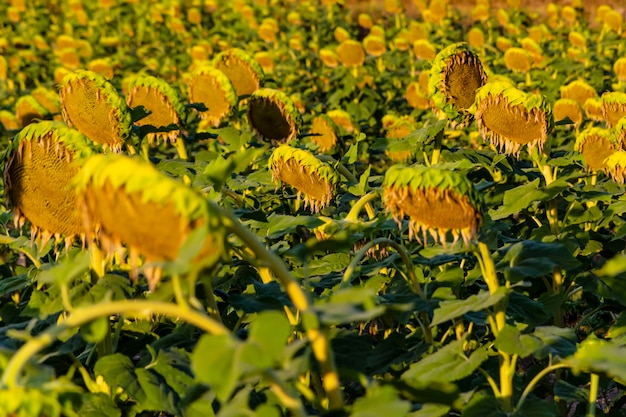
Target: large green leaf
x=510, y=340
x=213, y=362
x=532, y=259
x=378, y=401
x=449, y=310
x=600, y=356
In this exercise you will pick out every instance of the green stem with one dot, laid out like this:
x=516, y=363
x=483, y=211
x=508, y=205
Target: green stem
x=319, y=340
x=83, y=315
x=531, y=385
x=593, y=395
x=353, y=214
x=178, y=292
x=287, y=398
x=437, y=149
x=181, y=148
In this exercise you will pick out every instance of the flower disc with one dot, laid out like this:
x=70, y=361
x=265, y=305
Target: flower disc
x=29, y=110
x=211, y=87
x=91, y=104
x=314, y=179
x=578, y=90
x=510, y=118
x=435, y=200
x=455, y=76
x=273, y=115
x=613, y=107
x=596, y=144
x=351, y=53
x=241, y=69
x=41, y=164
x=324, y=132
x=167, y=111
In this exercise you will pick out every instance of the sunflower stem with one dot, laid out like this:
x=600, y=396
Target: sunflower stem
x=181, y=148
x=593, y=395
x=434, y=160
x=83, y=315
x=353, y=214
x=178, y=292
x=531, y=385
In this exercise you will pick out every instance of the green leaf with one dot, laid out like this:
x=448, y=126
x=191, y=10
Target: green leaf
x=447, y=364
x=532, y=259
x=612, y=276
x=600, y=356
x=213, y=362
x=98, y=405
x=218, y=171
x=557, y=341
x=67, y=271
x=431, y=410
x=96, y=330
x=14, y=284
x=280, y=224
x=449, y=310
x=270, y=331
x=510, y=340
x=428, y=133
x=536, y=407
x=522, y=197
x=379, y=401
x=565, y=391
x=483, y=405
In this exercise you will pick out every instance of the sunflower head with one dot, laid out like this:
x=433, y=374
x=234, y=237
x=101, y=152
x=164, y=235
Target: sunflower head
x=213, y=88
x=613, y=107
x=437, y=201
x=510, y=118
x=423, y=49
x=517, y=59
x=325, y=132
x=43, y=159
x=567, y=107
x=351, y=53
x=273, y=115
x=400, y=128
x=315, y=180
x=578, y=90
x=615, y=166
x=374, y=45
x=455, y=76
x=593, y=109
x=342, y=119
x=49, y=99
x=167, y=111
x=415, y=97
x=128, y=203
x=241, y=69
x=29, y=110
x=329, y=57
x=596, y=144
x=619, y=68
x=91, y=104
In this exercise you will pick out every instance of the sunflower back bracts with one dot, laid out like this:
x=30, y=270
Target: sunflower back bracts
x=211, y=87
x=454, y=77
x=273, y=115
x=596, y=144
x=315, y=180
x=167, y=111
x=43, y=159
x=127, y=201
x=241, y=69
x=91, y=104
x=436, y=200
x=510, y=118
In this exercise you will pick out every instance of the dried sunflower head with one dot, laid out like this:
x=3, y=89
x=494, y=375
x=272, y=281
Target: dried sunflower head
x=273, y=115
x=324, y=132
x=620, y=131
x=167, y=111
x=241, y=69
x=615, y=166
x=596, y=144
x=315, y=180
x=91, y=104
x=213, y=88
x=593, y=109
x=613, y=107
x=455, y=76
x=127, y=201
x=510, y=118
x=43, y=159
x=437, y=201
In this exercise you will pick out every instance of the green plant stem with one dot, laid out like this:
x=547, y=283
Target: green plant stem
x=531, y=385
x=490, y=276
x=181, y=148
x=83, y=315
x=288, y=399
x=434, y=160
x=319, y=340
x=593, y=395
x=178, y=292
x=353, y=214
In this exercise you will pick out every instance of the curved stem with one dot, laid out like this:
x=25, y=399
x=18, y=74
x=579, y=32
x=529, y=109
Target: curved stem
x=300, y=299
x=531, y=385
x=83, y=315
x=353, y=214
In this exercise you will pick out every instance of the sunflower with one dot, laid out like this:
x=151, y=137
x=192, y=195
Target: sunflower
x=613, y=107
x=273, y=115
x=241, y=69
x=596, y=144
x=324, y=132
x=211, y=87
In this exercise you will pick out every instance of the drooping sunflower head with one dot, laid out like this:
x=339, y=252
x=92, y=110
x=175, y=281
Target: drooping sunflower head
x=325, y=132
x=43, y=159
x=211, y=87
x=400, y=128
x=437, y=201
x=91, y=104
x=415, y=97
x=455, y=76
x=329, y=57
x=509, y=118
x=167, y=111
x=351, y=53
x=517, y=59
x=620, y=131
x=241, y=69
x=619, y=68
x=9, y=121
x=567, y=107
x=578, y=90
x=593, y=109
x=315, y=180
x=29, y=110
x=49, y=99
x=374, y=45
x=596, y=144
x=273, y=115
x=613, y=107
x=128, y=203
x=615, y=166
x=423, y=49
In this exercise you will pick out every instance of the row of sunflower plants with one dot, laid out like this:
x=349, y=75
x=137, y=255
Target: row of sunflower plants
x=280, y=208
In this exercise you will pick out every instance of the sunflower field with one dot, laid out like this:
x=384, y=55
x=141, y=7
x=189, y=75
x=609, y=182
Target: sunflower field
x=288, y=208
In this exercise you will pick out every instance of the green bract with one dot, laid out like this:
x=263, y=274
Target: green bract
x=91, y=104
x=509, y=118
x=454, y=77
x=436, y=201
x=314, y=179
x=273, y=115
